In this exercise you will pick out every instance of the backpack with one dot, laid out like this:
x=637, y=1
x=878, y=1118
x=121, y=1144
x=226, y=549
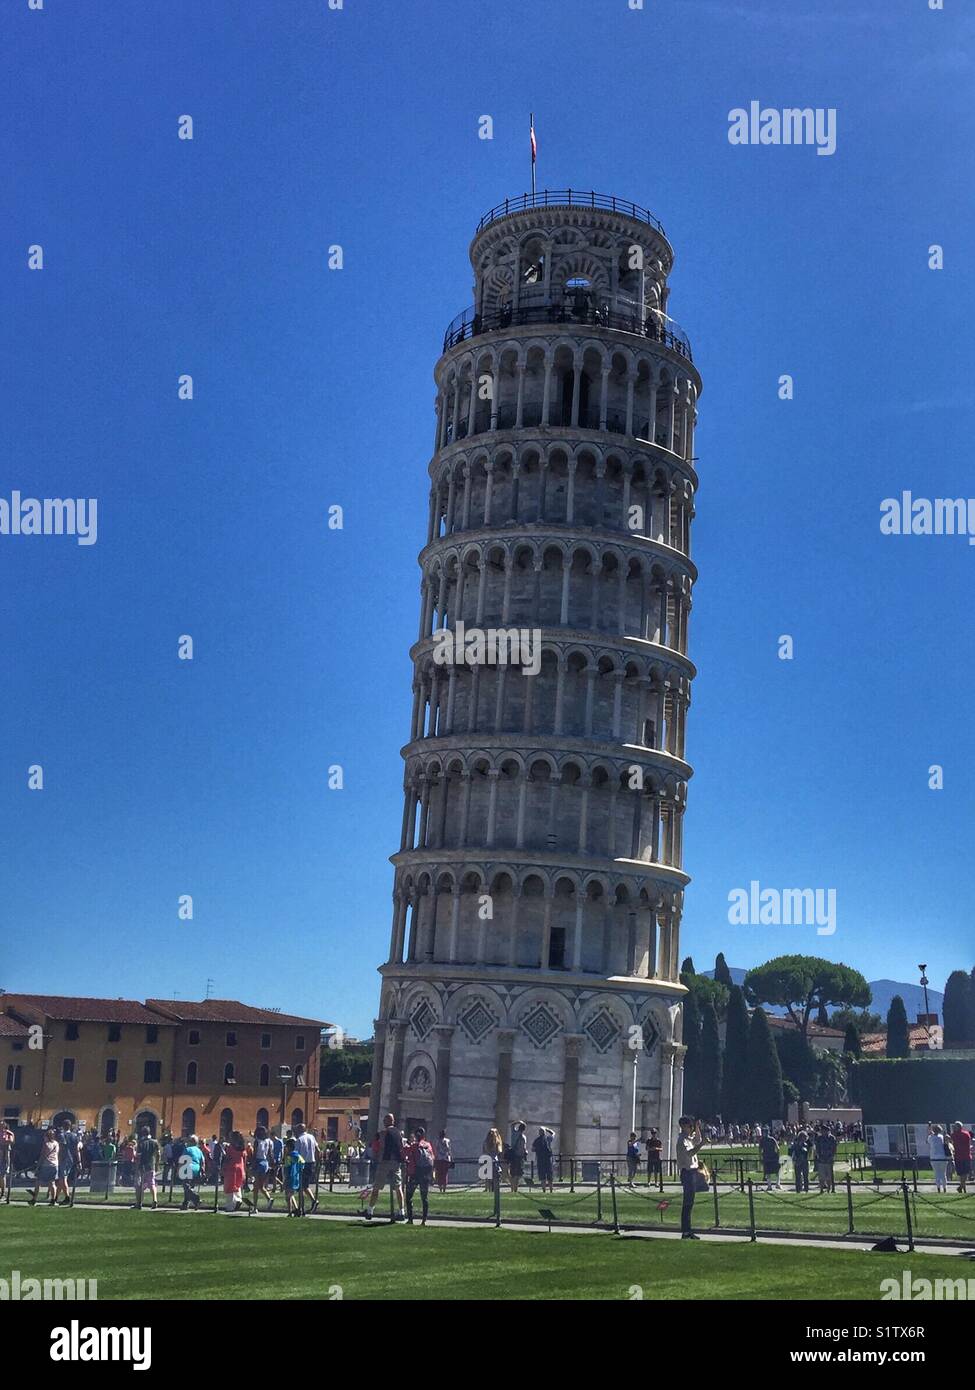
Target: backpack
x=422, y=1160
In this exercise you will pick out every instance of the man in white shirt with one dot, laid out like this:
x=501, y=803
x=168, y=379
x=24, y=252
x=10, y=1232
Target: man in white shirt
x=307, y=1146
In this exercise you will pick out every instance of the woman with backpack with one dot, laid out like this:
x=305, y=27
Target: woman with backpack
x=419, y=1173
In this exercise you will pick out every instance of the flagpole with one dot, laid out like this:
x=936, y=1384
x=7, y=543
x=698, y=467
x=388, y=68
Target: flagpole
x=531, y=128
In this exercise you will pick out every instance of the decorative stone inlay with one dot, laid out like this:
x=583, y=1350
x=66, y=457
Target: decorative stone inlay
x=477, y=1020
x=602, y=1030
x=651, y=1036
x=541, y=1025
x=422, y=1019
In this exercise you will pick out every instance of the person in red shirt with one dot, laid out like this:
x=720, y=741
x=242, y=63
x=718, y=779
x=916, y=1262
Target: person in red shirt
x=961, y=1144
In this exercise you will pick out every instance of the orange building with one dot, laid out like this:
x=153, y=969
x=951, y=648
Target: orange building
x=207, y=1067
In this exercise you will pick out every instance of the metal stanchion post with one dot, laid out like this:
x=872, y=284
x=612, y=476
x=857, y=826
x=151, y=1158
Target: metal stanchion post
x=714, y=1189
x=849, y=1203
x=496, y=1182
x=599, y=1192
x=612, y=1193
x=751, y=1210
x=907, y=1213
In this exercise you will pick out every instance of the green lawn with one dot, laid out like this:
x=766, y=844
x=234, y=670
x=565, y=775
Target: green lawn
x=141, y=1255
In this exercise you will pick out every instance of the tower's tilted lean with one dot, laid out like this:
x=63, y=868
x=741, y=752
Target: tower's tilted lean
x=538, y=885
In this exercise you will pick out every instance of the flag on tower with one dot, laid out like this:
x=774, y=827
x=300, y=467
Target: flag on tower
x=531, y=133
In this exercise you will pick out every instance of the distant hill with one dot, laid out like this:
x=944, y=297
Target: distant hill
x=883, y=992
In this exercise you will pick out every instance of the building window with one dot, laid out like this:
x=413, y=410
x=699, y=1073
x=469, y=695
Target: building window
x=71, y=1032
x=67, y=1069
x=262, y=1117
x=556, y=949
x=152, y=1072
x=152, y=1033
x=13, y=1078
x=332, y=1127
x=11, y=1112
x=111, y=1070
x=300, y=1042
x=231, y=1039
x=265, y=1040
x=228, y=1074
x=194, y=1037
x=114, y=1032
x=17, y=1047
x=265, y=1074
x=192, y=1071
x=299, y=1075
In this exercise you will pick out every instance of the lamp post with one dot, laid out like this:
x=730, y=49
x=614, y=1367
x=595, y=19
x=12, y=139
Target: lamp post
x=284, y=1076
x=924, y=986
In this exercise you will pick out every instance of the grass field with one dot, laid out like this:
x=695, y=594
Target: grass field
x=143, y=1255
x=878, y=1212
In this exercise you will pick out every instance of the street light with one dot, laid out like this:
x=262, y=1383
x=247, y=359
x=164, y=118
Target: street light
x=284, y=1076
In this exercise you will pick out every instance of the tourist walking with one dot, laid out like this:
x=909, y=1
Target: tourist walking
x=147, y=1152
x=291, y=1166
x=419, y=1173
x=768, y=1147
x=544, y=1163
x=938, y=1154
x=961, y=1153
x=389, y=1168
x=632, y=1155
x=189, y=1169
x=308, y=1148
x=493, y=1148
x=47, y=1169
x=443, y=1161
x=6, y=1156
x=234, y=1170
x=260, y=1170
x=689, y=1141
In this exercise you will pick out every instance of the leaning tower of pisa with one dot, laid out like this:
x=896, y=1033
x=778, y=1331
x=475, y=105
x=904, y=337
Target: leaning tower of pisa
x=533, y=959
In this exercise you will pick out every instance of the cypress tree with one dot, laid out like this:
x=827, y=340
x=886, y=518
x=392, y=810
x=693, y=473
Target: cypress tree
x=822, y=1017
x=735, y=1079
x=721, y=972
x=957, y=1008
x=692, y=1059
x=851, y=1041
x=765, y=1098
x=688, y=967
x=710, y=1062
x=898, y=1037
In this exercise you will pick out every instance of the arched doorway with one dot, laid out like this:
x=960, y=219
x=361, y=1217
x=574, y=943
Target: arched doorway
x=262, y=1117
x=188, y=1123
x=108, y=1122
x=226, y=1123
x=297, y=1117
x=146, y=1119
x=64, y=1119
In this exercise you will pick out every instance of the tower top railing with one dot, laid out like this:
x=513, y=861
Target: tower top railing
x=579, y=309
x=571, y=198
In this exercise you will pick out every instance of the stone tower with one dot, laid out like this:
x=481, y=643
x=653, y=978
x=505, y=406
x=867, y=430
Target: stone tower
x=533, y=960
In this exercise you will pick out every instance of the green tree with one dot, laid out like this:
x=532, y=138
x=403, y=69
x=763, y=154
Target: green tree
x=734, y=1083
x=692, y=1060
x=861, y=1019
x=707, y=991
x=898, y=1037
x=851, y=1041
x=957, y=1008
x=830, y=1078
x=765, y=1098
x=721, y=972
x=688, y=967
x=798, y=1062
x=801, y=984
x=710, y=1062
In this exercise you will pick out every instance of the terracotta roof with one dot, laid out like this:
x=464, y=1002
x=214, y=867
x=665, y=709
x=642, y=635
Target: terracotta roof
x=12, y=1028
x=815, y=1030
x=226, y=1011
x=65, y=1007
x=917, y=1032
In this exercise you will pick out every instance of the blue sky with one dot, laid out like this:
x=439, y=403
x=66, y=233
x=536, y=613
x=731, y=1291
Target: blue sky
x=359, y=127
